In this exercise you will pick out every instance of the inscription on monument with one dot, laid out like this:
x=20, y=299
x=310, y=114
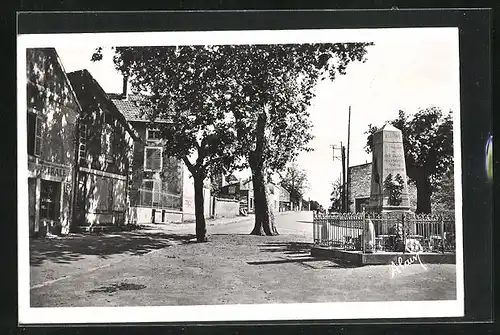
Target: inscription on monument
x=389, y=159
x=392, y=136
x=393, y=158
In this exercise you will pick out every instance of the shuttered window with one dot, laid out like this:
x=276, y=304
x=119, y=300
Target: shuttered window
x=34, y=134
x=153, y=159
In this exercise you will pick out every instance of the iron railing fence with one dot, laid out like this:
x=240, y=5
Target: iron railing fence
x=148, y=198
x=393, y=231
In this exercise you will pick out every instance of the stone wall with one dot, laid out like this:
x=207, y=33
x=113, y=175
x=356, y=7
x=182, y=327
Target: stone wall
x=226, y=208
x=359, y=181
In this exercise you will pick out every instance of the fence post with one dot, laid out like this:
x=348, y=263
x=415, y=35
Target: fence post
x=442, y=232
x=314, y=231
x=404, y=231
x=365, y=223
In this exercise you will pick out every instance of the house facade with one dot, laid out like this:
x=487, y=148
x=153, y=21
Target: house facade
x=161, y=189
x=278, y=197
x=284, y=202
x=104, y=158
x=52, y=114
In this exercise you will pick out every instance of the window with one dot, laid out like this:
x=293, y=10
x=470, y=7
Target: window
x=153, y=159
x=152, y=192
x=152, y=135
x=107, y=143
x=34, y=134
x=107, y=119
x=251, y=203
x=49, y=200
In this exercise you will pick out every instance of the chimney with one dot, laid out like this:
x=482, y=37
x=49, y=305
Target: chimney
x=125, y=88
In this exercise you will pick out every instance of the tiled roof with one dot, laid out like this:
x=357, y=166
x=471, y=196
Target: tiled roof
x=83, y=78
x=129, y=107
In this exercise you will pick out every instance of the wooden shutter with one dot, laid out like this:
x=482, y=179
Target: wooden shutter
x=31, y=133
x=38, y=136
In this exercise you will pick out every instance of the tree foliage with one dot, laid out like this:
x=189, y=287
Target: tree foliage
x=272, y=88
x=315, y=206
x=336, y=196
x=428, y=146
x=294, y=180
x=230, y=101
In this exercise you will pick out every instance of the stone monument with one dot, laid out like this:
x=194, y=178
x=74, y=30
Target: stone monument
x=389, y=186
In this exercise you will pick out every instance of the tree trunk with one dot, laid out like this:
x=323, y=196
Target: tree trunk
x=264, y=213
x=199, y=209
x=424, y=193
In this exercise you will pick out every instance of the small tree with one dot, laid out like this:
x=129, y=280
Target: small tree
x=335, y=196
x=294, y=180
x=394, y=186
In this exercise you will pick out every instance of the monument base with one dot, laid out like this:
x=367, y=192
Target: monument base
x=395, y=209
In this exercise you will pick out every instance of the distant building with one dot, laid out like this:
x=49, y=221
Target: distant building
x=243, y=190
x=284, y=202
x=52, y=114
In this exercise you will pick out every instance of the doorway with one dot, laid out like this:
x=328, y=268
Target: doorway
x=31, y=204
x=50, y=195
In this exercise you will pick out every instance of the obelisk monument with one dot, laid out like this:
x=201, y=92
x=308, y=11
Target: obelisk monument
x=389, y=186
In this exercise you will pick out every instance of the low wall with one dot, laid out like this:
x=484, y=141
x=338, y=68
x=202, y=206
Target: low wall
x=140, y=215
x=226, y=208
x=381, y=258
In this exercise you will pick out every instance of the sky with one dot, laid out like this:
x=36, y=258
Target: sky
x=406, y=69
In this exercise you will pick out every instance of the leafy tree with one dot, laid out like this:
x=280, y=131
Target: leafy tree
x=272, y=88
x=315, y=206
x=428, y=146
x=294, y=180
x=183, y=85
x=335, y=196
x=443, y=198
x=394, y=187
x=256, y=93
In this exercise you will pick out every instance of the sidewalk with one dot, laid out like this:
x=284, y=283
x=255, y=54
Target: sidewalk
x=189, y=226
x=56, y=257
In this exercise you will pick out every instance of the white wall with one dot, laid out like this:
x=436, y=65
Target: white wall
x=188, y=197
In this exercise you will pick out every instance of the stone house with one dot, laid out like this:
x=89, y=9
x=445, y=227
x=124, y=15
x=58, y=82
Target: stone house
x=52, y=113
x=162, y=189
x=284, y=199
x=243, y=191
x=104, y=158
x=359, y=185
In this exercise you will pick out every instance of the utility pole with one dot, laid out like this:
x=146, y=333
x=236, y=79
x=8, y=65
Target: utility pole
x=342, y=173
x=344, y=202
x=348, y=147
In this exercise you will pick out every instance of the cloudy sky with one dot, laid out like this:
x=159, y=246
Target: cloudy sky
x=406, y=69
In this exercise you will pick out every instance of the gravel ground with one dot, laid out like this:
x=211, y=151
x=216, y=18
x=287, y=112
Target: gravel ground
x=229, y=269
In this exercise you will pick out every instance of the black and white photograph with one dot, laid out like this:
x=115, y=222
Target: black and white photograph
x=239, y=175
